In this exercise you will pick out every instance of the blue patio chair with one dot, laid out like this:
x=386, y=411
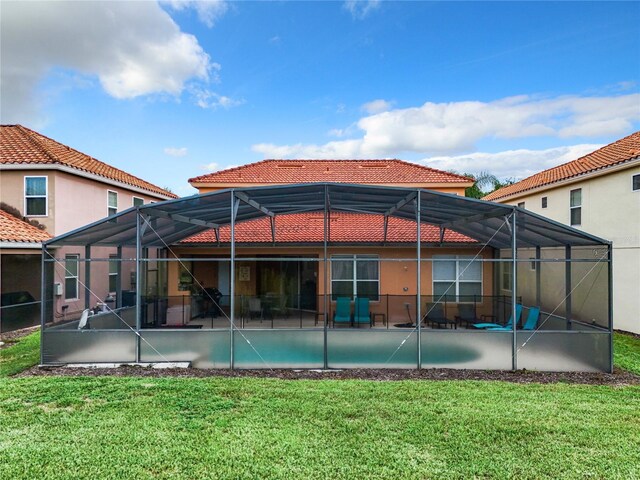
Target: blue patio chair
x=362, y=313
x=342, y=315
x=530, y=324
x=507, y=326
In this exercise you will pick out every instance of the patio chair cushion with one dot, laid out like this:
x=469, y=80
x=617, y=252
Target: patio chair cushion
x=507, y=326
x=530, y=324
x=362, y=314
x=343, y=310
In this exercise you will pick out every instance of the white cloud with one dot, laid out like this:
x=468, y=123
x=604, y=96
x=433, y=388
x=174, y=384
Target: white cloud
x=206, y=98
x=133, y=48
x=209, y=11
x=448, y=128
x=331, y=150
x=376, y=106
x=360, y=9
x=176, y=152
x=516, y=164
x=211, y=167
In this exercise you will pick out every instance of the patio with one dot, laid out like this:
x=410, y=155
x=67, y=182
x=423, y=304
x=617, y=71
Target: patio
x=332, y=301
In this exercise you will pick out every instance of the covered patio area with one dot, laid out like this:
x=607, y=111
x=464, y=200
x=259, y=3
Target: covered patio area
x=331, y=276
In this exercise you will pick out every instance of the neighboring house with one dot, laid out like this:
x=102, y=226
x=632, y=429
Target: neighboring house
x=64, y=189
x=600, y=194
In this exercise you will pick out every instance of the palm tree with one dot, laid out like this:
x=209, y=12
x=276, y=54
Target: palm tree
x=484, y=184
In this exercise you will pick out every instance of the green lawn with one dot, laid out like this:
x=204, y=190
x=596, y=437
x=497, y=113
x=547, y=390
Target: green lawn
x=626, y=352
x=24, y=354
x=108, y=427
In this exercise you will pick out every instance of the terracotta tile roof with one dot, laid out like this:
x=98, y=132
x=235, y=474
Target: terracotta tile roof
x=345, y=227
x=615, y=153
x=20, y=145
x=336, y=171
x=13, y=229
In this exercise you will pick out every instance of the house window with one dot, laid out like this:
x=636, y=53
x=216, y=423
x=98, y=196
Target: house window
x=71, y=262
x=112, y=203
x=506, y=274
x=533, y=263
x=544, y=202
x=355, y=276
x=138, y=202
x=521, y=205
x=35, y=196
x=113, y=273
x=635, y=183
x=576, y=206
x=456, y=278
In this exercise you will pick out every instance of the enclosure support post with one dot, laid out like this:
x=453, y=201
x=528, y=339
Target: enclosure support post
x=138, y=283
x=567, y=285
x=538, y=276
x=610, y=310
x=43, y=301
x=514, y=291
x=118, y=303
x=232, y=274
x=325, y=288
x=87, y=276
x=418, y=279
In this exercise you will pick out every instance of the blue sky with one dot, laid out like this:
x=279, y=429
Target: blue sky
x=172, y=90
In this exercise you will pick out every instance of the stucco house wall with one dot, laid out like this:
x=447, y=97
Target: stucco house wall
x=611, y=210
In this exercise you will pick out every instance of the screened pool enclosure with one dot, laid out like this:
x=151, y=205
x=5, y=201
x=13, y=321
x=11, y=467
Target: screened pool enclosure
x=329, y=276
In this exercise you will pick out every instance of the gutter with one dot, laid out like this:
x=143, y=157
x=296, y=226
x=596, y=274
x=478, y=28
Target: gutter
x=568, y=181
x=9, y=245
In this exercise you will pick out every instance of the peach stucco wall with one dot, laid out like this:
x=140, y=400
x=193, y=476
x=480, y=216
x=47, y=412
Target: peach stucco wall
x=73, y=201
x=397, y=278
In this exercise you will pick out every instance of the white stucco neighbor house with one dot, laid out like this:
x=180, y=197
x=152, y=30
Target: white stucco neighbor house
x=600, y=194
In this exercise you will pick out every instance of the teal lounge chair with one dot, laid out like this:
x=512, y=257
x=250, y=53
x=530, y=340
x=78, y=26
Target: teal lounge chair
x=362, y=314
x=530, y=324
x=508, y=326
x=342, y=315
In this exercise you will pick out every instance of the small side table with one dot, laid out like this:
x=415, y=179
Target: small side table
x=382, y=315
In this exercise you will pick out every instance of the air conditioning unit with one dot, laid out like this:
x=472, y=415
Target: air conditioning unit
x=57, y=289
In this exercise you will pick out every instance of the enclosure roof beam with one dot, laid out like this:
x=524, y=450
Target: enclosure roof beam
x=401, y=204
x=474, y=218
x=246, y=199
x=181, y=218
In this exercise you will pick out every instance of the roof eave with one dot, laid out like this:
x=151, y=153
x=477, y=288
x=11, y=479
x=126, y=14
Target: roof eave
x=567, y=181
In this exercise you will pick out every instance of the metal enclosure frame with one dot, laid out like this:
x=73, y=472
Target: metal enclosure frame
x=175, y=220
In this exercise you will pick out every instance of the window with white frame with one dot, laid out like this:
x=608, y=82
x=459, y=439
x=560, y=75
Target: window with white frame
x=71, y=264
x=457, y=278
x=113, y=273
x=112, y=203
x=575, y=206
x=355, y=276
x=506, y=274
x=521, y=205
x=35, y=196
x=138, y=202
x=635, y=183
x=544, y=202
